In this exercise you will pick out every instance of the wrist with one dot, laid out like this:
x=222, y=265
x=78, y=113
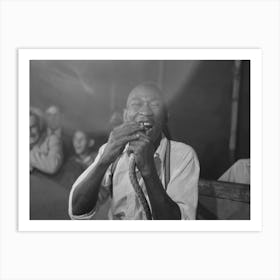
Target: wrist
x=104, y=161
x=149, y=172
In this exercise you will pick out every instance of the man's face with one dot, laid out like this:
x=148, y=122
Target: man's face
x=80, y=143
x=34, y=130
x=53, y=120
x=145, y=105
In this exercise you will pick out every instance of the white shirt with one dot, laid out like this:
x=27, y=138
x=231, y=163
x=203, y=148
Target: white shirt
x=47, y=154
x=239, y=172
x=182, y=187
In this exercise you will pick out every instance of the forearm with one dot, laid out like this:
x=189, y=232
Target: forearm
x=163, y=207
x=85, y=194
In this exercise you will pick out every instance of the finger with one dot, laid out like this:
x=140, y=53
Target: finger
x=144, y=137
x=134, y=144
x=132, y=127
x=127, y=130
x=130, y=150
x=128, y=138
x=142, y=140
x=130, y=124
x=124, y=125
x=133, y=149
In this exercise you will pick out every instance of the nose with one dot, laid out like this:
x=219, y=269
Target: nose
x=146, y=109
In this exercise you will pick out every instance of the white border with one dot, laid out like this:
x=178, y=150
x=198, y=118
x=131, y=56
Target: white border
x=24, y=57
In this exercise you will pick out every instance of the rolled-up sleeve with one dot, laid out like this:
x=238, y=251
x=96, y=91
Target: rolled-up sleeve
x=48, y=161
x=183, y=184
x=103, y=194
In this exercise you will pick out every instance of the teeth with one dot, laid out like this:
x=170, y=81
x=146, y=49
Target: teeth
x=147, y=125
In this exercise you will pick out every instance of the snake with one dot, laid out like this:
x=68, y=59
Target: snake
x=135, y=184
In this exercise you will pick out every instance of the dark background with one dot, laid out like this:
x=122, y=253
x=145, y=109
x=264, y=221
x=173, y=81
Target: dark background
x=198, y=94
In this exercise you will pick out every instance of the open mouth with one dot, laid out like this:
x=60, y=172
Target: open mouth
x=147, y=126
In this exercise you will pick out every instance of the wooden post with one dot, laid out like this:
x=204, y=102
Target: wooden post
x=234, y=110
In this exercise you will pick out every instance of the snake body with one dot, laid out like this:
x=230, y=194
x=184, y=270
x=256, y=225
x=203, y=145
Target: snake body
x=138, y=190
x=134, y=181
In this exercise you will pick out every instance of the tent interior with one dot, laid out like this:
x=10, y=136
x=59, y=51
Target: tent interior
x=208, y=104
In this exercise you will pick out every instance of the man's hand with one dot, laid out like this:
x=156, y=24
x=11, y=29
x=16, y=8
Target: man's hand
x=119, y=137
x=143, y=150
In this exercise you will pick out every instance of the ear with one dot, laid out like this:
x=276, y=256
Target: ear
x=91, y=143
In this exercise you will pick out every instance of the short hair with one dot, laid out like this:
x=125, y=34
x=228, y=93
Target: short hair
x=81, y=131
x=150, y=85
x=147, y=85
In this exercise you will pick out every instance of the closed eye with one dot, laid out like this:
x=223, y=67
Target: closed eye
x=155, y=104
x=135, y=105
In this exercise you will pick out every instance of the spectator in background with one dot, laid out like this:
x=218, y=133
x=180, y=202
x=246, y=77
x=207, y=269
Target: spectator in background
x=83, y=144
x=239, y=172
x=46, y=152
x=53, y=118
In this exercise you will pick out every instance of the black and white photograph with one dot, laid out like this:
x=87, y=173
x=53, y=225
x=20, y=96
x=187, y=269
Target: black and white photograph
x=177, y=122
x=139, y=139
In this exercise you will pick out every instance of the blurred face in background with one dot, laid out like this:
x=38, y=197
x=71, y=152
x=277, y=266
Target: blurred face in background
x=81, y=143
x=145, y=105
x=34, y=129
x=53, y=117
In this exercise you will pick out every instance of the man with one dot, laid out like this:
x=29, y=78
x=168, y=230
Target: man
x=53, y=118
x=46, y=152
x=175, y=199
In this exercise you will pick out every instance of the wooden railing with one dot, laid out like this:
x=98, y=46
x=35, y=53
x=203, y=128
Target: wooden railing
x=223, y=200
x=224, y=190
